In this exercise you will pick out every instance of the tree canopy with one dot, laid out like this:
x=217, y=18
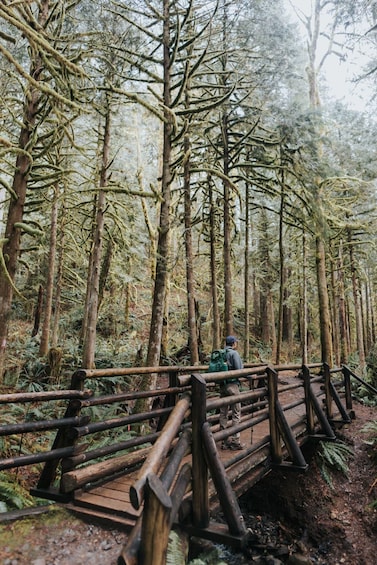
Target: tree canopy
x=173, y=172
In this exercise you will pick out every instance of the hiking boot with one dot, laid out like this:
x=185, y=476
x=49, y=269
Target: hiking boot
x=236, y=445
x=225, y=445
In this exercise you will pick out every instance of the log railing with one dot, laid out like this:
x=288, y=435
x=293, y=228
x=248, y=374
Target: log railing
x=159, y=509
x=79, y=463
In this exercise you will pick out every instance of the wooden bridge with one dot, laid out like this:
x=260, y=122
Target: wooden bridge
x=171, y=470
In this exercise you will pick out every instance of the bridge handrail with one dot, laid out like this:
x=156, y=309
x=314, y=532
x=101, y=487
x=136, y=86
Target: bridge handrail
x=360, y=380
x=44, y=396
x=70, y=454
x=160, y=449
x=247, y=371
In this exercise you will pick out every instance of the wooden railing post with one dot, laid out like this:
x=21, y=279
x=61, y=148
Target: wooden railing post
x=310, y=423
x=228, y=499
x=272, y=385
x=347, y=386
x=130, y=552
x=200, y=498
x=328, y=396
x=155, y=527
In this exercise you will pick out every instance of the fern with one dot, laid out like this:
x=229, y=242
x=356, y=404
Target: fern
x=176, y=553
x=333, y=456
x=12, y=494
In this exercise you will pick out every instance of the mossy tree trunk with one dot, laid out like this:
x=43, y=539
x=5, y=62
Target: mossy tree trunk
x=92, y=293
x=12, y=237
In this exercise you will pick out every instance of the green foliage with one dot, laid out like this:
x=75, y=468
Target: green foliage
x=333, y=456
x=12, y=494
x=176, y=551
x=371, y=360
x=353, y=361
x=361, y=392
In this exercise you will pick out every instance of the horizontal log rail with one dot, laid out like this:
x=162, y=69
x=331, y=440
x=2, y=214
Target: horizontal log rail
x=25, y=427
x=70, y=463
x=21, y=397
x=111, y=424
x=34, y=458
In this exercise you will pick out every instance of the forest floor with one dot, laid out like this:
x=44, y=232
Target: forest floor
x=288, y=515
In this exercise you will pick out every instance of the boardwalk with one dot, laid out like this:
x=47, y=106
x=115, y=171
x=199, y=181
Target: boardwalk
x=110, y=499
x=177, y=473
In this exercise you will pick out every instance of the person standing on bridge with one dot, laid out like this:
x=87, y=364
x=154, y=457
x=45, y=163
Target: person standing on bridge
x=231, y=387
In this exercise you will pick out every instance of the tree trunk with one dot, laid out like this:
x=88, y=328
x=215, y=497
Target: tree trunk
x=91, y=312
x=287, y=335
x=12, y=237
x=246, y=349
x=357, y=305
x=281, y=271
x=335, y=315
x=190, y=284
x=45, y=336
x=369, y=314
x=228, y=298
x=313, y=27
x=38, y=312
x=324, y=307
x=59, y=280
x=271, y=317
x=159, y=294
x=216, y=327
x=105, y=269
x=256, y=306
x=304, y=304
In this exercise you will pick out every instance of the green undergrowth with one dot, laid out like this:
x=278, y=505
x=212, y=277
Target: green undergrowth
x=333, y=457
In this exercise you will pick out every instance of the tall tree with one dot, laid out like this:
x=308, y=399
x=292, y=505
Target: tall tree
x=92, y=294
x=46, y=65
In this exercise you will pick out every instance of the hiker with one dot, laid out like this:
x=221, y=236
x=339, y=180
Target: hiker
x=231, y=387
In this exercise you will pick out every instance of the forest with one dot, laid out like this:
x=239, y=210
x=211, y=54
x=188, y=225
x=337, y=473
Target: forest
x=175, y=172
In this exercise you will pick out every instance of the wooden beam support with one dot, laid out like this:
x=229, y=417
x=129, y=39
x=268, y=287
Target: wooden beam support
x=200, y=499
x=323, y=421
x=298, y=460
x=228, y=500
x=276, y=453
x=345, y=417
x=310, y=420
x=328, y=397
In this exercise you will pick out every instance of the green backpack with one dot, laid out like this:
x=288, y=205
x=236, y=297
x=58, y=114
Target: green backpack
x=218, y=361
